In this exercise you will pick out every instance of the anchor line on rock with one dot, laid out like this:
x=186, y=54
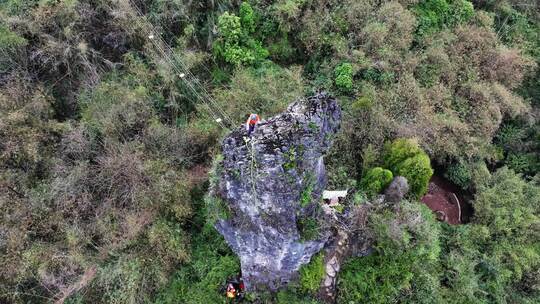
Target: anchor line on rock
x=252, y=168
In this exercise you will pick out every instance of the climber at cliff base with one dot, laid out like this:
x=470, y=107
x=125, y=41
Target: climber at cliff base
x=235, y=289
x=252, y=121
x=231, y=291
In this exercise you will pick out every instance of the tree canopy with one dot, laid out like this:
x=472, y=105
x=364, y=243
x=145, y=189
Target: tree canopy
x=112, y=113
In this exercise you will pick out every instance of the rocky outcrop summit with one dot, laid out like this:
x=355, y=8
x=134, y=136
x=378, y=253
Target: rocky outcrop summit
x=267, y=181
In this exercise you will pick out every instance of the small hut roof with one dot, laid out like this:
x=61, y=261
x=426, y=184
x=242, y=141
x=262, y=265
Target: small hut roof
x=333, y=194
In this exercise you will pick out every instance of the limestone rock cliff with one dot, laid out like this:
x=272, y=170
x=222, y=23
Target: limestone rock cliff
x=267, y=182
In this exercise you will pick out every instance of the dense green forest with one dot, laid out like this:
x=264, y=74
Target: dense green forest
x=112, y=113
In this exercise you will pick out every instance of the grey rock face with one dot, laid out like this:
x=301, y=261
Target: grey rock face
x=397, y=189
x=263, y=180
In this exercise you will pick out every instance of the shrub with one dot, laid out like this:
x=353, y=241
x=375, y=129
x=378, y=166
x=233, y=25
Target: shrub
x=266, y=90
x=306, y=196
x=527, y=163
x=434, y=15
x=405, y=158
x=418, y=171
x=401, y=268
x=340, y=177
x=121, y=279
x=247, y=17
x=460, y=174
x=293, y=296
x=461, y=11
x=17, y=7
x=431, y=15
x=312, y=274
x=376, y=180
x=494, y=257
x=9, y=40
x=507, y=204
x=169, y=241
x=308, y=228
x=510, y=137
x=398, y=151
x=212, y=263
x=216, y=209
x=115, y=110
x=236, y=44
x=344, y=77
x=370, y=156
x=281, y=50
x=378, y=76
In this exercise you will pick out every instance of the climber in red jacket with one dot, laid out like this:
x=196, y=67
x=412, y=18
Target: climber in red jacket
x=252, y=121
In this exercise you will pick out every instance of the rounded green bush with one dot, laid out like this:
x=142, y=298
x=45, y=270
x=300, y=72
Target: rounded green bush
x=417, y=170
x=376, y=180
x=404, y=157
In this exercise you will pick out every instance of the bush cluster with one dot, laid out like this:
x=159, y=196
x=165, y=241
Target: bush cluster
x=401, y=157
x=404, y=157
x=402, y=266
x=376, y=180
x=434, y=15
x=312, y=274
x=237, y=45
x=344, y=76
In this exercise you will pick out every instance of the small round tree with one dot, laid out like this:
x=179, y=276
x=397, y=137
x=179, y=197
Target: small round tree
x=376, y=180
x=404, y=157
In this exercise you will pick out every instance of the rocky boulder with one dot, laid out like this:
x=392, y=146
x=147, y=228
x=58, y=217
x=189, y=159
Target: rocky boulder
x=267, y=181
x=397, y=190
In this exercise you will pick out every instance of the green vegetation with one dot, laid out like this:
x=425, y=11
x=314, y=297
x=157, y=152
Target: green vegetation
x=460, y=174
x=212, y=264
x=9, y=40
x=308, y=228
x=376, y=180
x=403, y=264
x=236, y=44
x=495, y=258
x=402, y=157
x=434, y=15
x=105, y=147
x=422, y=263
x=516, y=141
x=344, y=77
x=312, y=274
x=291, y=158
x=306, y=196
x=405, y=158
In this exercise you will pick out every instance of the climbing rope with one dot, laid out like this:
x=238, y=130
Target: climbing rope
x=164, y=49
x=250, y=147
x=252, y=170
